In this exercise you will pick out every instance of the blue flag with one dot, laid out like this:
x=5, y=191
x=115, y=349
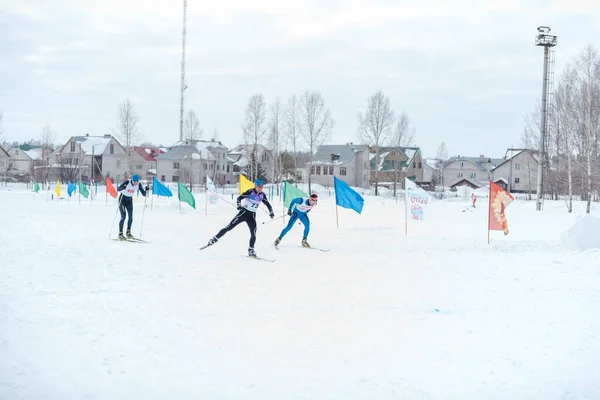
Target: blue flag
x=346, y=197
x=71, y=188
x=159, y=189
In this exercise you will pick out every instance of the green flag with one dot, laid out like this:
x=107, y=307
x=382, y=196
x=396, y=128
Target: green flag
x=184, y=195
x=36, y=187
x=83, y=190
x=290, y=193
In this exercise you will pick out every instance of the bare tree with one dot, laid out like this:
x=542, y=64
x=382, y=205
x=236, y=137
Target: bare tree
x=403, y=136
x=276, y=139
x=46, y=139
x=316, y=124
x=191, y=126
x=292, y=122
x=440, y=161
x=374, y=126
x=587, y=106
x=127, y=129
x=69, y=166
x=254, y=130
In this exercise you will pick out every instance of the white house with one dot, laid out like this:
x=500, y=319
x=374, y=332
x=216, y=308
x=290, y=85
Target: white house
x=24, y=158
x=519, y=171
x=4, y=161
x=190, y=161
x=475, y=169
x=241, y=155
x=105, y=153
x=349, y=163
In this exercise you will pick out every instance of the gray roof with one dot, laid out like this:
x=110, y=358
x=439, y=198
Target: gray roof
x=478, y=161
x=185, y=150
x=345, y=151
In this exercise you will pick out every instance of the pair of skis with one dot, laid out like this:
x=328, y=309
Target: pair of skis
x=277, y=248
x=134, y=240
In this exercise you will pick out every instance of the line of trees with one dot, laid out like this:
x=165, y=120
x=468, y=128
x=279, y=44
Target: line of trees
x=302, y=121
x=572, y=161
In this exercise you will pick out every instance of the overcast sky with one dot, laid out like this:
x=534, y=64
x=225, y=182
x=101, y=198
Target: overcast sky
x=466, y=72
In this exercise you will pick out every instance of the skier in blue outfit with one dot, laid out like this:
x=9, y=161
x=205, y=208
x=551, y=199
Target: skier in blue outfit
x=127, y=189
x=247, y=204
x=298, y=210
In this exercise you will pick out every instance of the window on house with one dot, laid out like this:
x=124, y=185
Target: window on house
x=517, y=166
x=118, y=163
x=175, y=166
x=462, y=164
x=460, y=174
x=325, y=170
x=472, y=175
x=331, y=170
x=72, y=147
x=517, y=180
x=228, y=169
x=175, y=178
x=265, y=157
x=16, y=152
x=342, y=170
x=162, y=178
x=212, y=166
x=312, y=170
x=420, y=165
x=111, y=149
x=139, y=166
x=318, y=170
x=414, y=164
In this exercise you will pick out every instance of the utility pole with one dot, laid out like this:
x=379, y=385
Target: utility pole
x=547, y=41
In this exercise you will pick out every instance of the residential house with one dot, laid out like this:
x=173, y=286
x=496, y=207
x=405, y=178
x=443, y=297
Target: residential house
x=241, y=156
x=430, y=167
x=396, y=163
x=519, y=170
x=218, y=165
x=76, y=157
x=24, y=159
x=349, y=163
x=475, y=169
x=187, y=161
x=142, y=161
x=4, y=161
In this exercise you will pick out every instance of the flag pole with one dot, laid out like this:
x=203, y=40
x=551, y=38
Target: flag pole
x=206, y=201
x=405, y=211
x=489, y=207
x=337, y=221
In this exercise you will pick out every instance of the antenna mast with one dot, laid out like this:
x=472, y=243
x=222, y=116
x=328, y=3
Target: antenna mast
x=183, y=85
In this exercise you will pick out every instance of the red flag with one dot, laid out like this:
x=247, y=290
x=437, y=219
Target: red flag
x=499, y=200
x=110, y=188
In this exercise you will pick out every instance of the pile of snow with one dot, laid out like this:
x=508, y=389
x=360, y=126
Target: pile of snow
x=583, y=235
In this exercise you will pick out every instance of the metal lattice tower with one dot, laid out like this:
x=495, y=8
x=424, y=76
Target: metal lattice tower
x=547, y=41
x=183, y=85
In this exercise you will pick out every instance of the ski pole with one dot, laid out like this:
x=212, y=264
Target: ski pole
x=143, y=212
x=274, y=219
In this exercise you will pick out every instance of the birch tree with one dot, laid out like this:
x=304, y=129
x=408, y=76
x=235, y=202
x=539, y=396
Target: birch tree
x=254, y=130
x=276, y=139
x=403, y=136
x=292, y=125
x=316, y=125
x=374, y=126
x=587, y=106
x=46, y=139
x=127, y=128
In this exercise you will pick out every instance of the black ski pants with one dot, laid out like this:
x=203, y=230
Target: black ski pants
x=242, y=216
x=126, y=206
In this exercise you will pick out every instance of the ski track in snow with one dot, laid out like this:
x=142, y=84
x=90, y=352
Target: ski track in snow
x=437, y=314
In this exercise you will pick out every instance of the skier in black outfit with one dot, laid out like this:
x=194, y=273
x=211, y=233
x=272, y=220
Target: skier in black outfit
x=247, y=204
x=127, y=190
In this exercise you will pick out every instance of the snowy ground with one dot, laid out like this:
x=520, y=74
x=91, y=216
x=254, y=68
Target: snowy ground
x=437, y=314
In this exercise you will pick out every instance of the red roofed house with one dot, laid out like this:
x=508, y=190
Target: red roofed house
x=142, y=161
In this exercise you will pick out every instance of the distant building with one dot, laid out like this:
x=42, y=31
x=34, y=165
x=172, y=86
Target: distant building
x=349, y=163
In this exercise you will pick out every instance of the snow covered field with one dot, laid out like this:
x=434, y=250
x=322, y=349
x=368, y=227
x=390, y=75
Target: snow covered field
x=437, y=314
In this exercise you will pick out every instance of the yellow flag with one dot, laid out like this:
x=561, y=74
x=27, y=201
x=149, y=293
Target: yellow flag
x=245, y=184
x=57, y=189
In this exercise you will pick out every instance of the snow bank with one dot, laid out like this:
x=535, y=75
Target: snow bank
x=583, y=235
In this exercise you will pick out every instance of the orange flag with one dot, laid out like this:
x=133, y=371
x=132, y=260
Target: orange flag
x=110, y=188
x=499, y=200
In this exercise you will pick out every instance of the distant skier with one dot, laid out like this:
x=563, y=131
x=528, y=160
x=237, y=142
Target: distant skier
x=298, y=210
x=247, y=204
x=473, y=199
x=127, y=190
